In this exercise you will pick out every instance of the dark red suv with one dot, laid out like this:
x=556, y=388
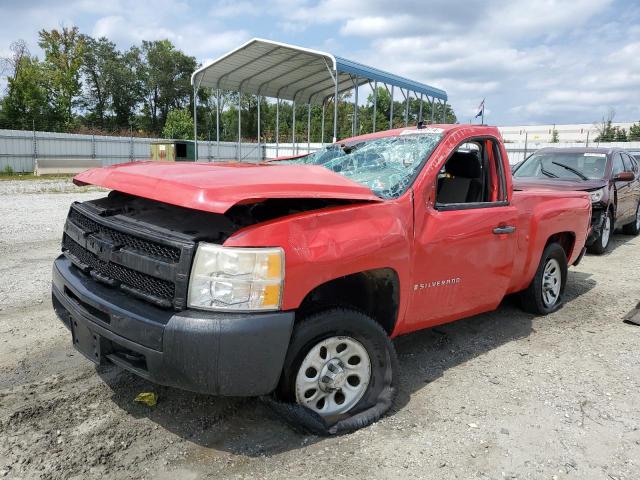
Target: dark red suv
x=610, y=175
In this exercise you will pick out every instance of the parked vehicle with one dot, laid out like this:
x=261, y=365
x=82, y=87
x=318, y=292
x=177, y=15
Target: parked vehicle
x=610, y=175
x=292, y=277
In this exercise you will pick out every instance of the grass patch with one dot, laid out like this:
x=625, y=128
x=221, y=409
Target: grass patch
x=31, y=176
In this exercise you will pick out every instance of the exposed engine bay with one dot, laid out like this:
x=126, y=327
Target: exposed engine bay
x=205, y=226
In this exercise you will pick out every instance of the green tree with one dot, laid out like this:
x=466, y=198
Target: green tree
x=634, y=132
x=26, y=102
x=555, y=138
x=620, y=135
x=126, y=86
x=63, y=56
x=100, y=59
x=166, y=79
x=179, y=125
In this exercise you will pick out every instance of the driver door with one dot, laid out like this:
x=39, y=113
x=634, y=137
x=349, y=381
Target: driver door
x=464, y=246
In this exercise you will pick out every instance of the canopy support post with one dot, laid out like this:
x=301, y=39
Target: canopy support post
x=335, y=109
x=420, y=110
x=322, y=125
x=375, y=104
x=259, y=151
x=354, y=125
x=308, y=127
x=277, y=126
x=406, y=109
x=444, y=112
x=218, y=124
x=433, y=108
x=195, y=121
x=391, y=111
x=239, y=126
x=293, y=132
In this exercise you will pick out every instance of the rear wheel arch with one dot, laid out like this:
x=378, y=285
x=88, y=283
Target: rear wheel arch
x=566, y=240
x=375, y=293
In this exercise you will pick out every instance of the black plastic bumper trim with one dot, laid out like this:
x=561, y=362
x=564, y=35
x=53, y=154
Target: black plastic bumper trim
x=238, y=354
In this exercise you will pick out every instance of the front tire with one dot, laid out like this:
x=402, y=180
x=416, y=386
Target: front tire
x=602, y=243
x=340, y=364
x=544, y=294
x=633, y=228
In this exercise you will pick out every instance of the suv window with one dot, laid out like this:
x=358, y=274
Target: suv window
x=618, y=165
x=473, y=175
x=630, y=163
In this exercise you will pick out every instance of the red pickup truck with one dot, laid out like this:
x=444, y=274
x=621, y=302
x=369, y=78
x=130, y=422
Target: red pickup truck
x=293, y=276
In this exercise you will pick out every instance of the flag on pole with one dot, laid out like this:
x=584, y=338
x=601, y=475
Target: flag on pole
x=480, y=109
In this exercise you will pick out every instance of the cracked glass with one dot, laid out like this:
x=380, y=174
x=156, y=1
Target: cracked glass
x=386, y=165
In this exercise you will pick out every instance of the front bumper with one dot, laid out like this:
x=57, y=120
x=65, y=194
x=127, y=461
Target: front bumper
x=597, y=220
x=238, y=354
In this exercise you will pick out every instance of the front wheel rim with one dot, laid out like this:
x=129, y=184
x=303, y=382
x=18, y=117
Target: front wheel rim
x=551, y=282
x=606, y=231
x=333, y=376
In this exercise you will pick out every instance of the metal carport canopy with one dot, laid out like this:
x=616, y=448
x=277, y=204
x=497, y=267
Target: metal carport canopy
x=288, y=72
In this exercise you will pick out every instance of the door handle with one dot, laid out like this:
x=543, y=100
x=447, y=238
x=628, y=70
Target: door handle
x=502, y=229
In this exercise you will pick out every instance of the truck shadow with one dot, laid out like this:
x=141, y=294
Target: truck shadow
x=249, y=427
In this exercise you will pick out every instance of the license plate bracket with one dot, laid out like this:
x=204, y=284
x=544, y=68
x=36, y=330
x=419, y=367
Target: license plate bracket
x=86, y=341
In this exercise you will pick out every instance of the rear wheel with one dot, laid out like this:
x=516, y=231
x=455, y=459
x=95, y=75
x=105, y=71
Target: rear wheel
x=340, y=364
x=602, y=243
x=544, y=294
x=633, y=228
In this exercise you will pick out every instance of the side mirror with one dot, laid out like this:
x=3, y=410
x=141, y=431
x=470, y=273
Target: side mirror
x=624, y=177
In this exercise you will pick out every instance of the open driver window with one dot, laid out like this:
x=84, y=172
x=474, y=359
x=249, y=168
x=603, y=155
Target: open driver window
x=472, y=176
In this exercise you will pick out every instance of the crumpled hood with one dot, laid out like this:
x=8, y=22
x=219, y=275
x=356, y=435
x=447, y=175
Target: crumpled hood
x=528, y=183
x=216, y=187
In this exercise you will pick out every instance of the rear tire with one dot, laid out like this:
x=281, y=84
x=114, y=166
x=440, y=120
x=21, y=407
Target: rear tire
x=544, y=294
x=602, y=242
x=327, y=363
x=633, y=228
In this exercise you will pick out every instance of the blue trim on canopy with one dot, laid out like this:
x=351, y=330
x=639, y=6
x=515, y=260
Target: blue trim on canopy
x=355, y=68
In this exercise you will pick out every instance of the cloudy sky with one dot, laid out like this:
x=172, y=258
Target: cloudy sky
x=536, y=61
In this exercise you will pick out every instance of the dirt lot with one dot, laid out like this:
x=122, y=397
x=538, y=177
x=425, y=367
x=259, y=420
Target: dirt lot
x=499, y=395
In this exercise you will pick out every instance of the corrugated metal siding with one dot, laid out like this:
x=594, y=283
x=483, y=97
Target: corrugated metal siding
x=19, y=148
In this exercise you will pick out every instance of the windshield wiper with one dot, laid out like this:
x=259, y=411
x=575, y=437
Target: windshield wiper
x=572, y=170
x=547, y=172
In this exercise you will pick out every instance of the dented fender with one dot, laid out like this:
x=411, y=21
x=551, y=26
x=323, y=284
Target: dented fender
x=323, y=245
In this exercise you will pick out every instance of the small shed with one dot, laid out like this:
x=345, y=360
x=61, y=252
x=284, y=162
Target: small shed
x=173, y=151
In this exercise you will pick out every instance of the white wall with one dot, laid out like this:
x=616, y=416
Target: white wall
x=578, y=132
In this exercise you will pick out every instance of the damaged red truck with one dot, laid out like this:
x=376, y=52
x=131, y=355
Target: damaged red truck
x=291, y=277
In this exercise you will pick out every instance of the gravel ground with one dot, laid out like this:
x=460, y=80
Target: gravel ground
x=500, y=395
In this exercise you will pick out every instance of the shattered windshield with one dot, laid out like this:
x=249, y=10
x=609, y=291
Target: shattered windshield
x=385, y=165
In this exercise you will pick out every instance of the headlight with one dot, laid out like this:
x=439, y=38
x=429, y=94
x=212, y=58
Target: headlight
x=597, y=195
x=228, y=278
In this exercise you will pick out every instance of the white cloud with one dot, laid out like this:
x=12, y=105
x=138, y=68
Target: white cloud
x=547, y=61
